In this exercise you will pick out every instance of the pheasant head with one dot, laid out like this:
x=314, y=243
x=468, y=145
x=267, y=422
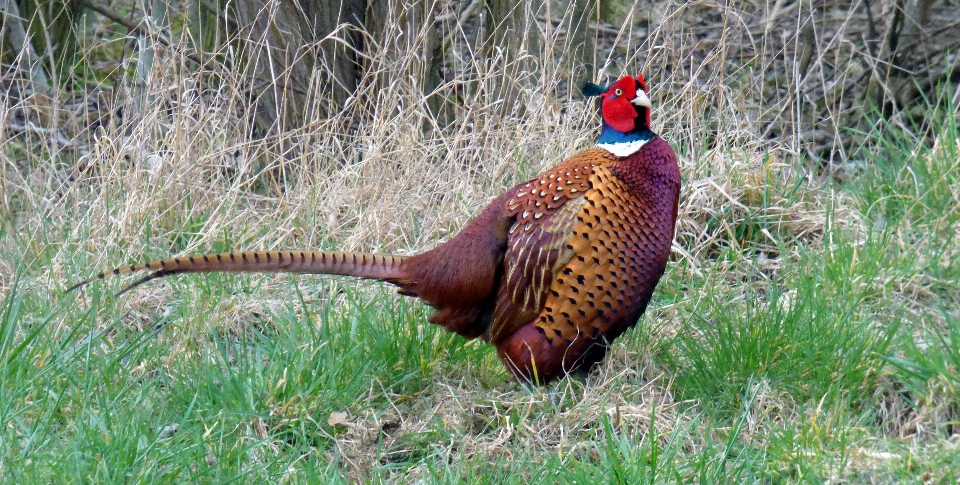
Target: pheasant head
x=626, y=114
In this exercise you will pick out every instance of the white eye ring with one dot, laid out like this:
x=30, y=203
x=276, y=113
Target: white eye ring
x=618, y=92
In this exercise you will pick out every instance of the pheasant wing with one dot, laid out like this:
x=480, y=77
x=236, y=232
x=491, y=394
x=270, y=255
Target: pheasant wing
x=545, y=211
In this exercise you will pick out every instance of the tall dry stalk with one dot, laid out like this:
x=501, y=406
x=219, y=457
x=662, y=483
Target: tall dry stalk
x=733, y=78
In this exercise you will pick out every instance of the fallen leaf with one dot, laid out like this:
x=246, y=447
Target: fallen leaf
x=337, y=418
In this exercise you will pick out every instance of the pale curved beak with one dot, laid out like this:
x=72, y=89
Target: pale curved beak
x=642, y=100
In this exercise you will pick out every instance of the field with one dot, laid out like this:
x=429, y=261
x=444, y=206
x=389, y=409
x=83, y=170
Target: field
x=807, y=328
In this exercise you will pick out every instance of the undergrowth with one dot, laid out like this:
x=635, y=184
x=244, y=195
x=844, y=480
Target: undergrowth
x=806, y=329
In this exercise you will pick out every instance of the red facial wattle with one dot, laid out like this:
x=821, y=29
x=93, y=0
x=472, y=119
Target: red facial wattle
x=619, y=114
x=617, y=110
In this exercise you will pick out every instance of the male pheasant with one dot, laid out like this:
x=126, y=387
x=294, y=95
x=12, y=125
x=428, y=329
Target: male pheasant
x=551, y=272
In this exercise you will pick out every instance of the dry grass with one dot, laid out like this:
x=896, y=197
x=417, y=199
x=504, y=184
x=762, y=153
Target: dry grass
x=483, y=423
x=83, y=189
x=391, y=185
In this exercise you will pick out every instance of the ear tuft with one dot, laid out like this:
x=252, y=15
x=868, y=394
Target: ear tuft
x=641, y=82
x=589, y=89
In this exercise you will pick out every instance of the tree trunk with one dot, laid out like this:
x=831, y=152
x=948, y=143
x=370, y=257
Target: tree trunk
x=295, y=47
x=22, y=47
x=504, y=23
x=583, y=52
x=275, y=39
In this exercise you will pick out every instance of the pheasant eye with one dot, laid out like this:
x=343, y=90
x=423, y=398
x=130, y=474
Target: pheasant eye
x=618, y=92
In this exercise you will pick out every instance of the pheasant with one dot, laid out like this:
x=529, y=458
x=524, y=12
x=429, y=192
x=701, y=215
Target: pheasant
x=550, y=272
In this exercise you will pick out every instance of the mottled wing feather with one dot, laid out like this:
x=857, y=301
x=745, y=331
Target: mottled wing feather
x=619, y=246
x=546, y=211
x=608, y=278
x=533, y=257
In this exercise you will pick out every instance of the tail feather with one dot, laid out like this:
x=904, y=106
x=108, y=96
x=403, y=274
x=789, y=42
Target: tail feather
x=362, y=265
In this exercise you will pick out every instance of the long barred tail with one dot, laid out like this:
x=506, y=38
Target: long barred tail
x=362, y=265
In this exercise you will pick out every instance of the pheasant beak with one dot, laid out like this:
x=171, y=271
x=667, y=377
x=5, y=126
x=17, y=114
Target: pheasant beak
x=642, y=100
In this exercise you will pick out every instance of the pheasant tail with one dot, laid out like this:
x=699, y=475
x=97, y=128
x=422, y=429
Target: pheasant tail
x=361, y=265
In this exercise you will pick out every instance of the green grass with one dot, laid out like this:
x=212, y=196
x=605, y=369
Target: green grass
x=809, y=333
x=779, y=376
x=103, y=400
x=773, y=354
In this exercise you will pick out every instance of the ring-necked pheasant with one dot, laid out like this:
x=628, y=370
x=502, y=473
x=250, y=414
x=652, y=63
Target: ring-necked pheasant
x=551, y=271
